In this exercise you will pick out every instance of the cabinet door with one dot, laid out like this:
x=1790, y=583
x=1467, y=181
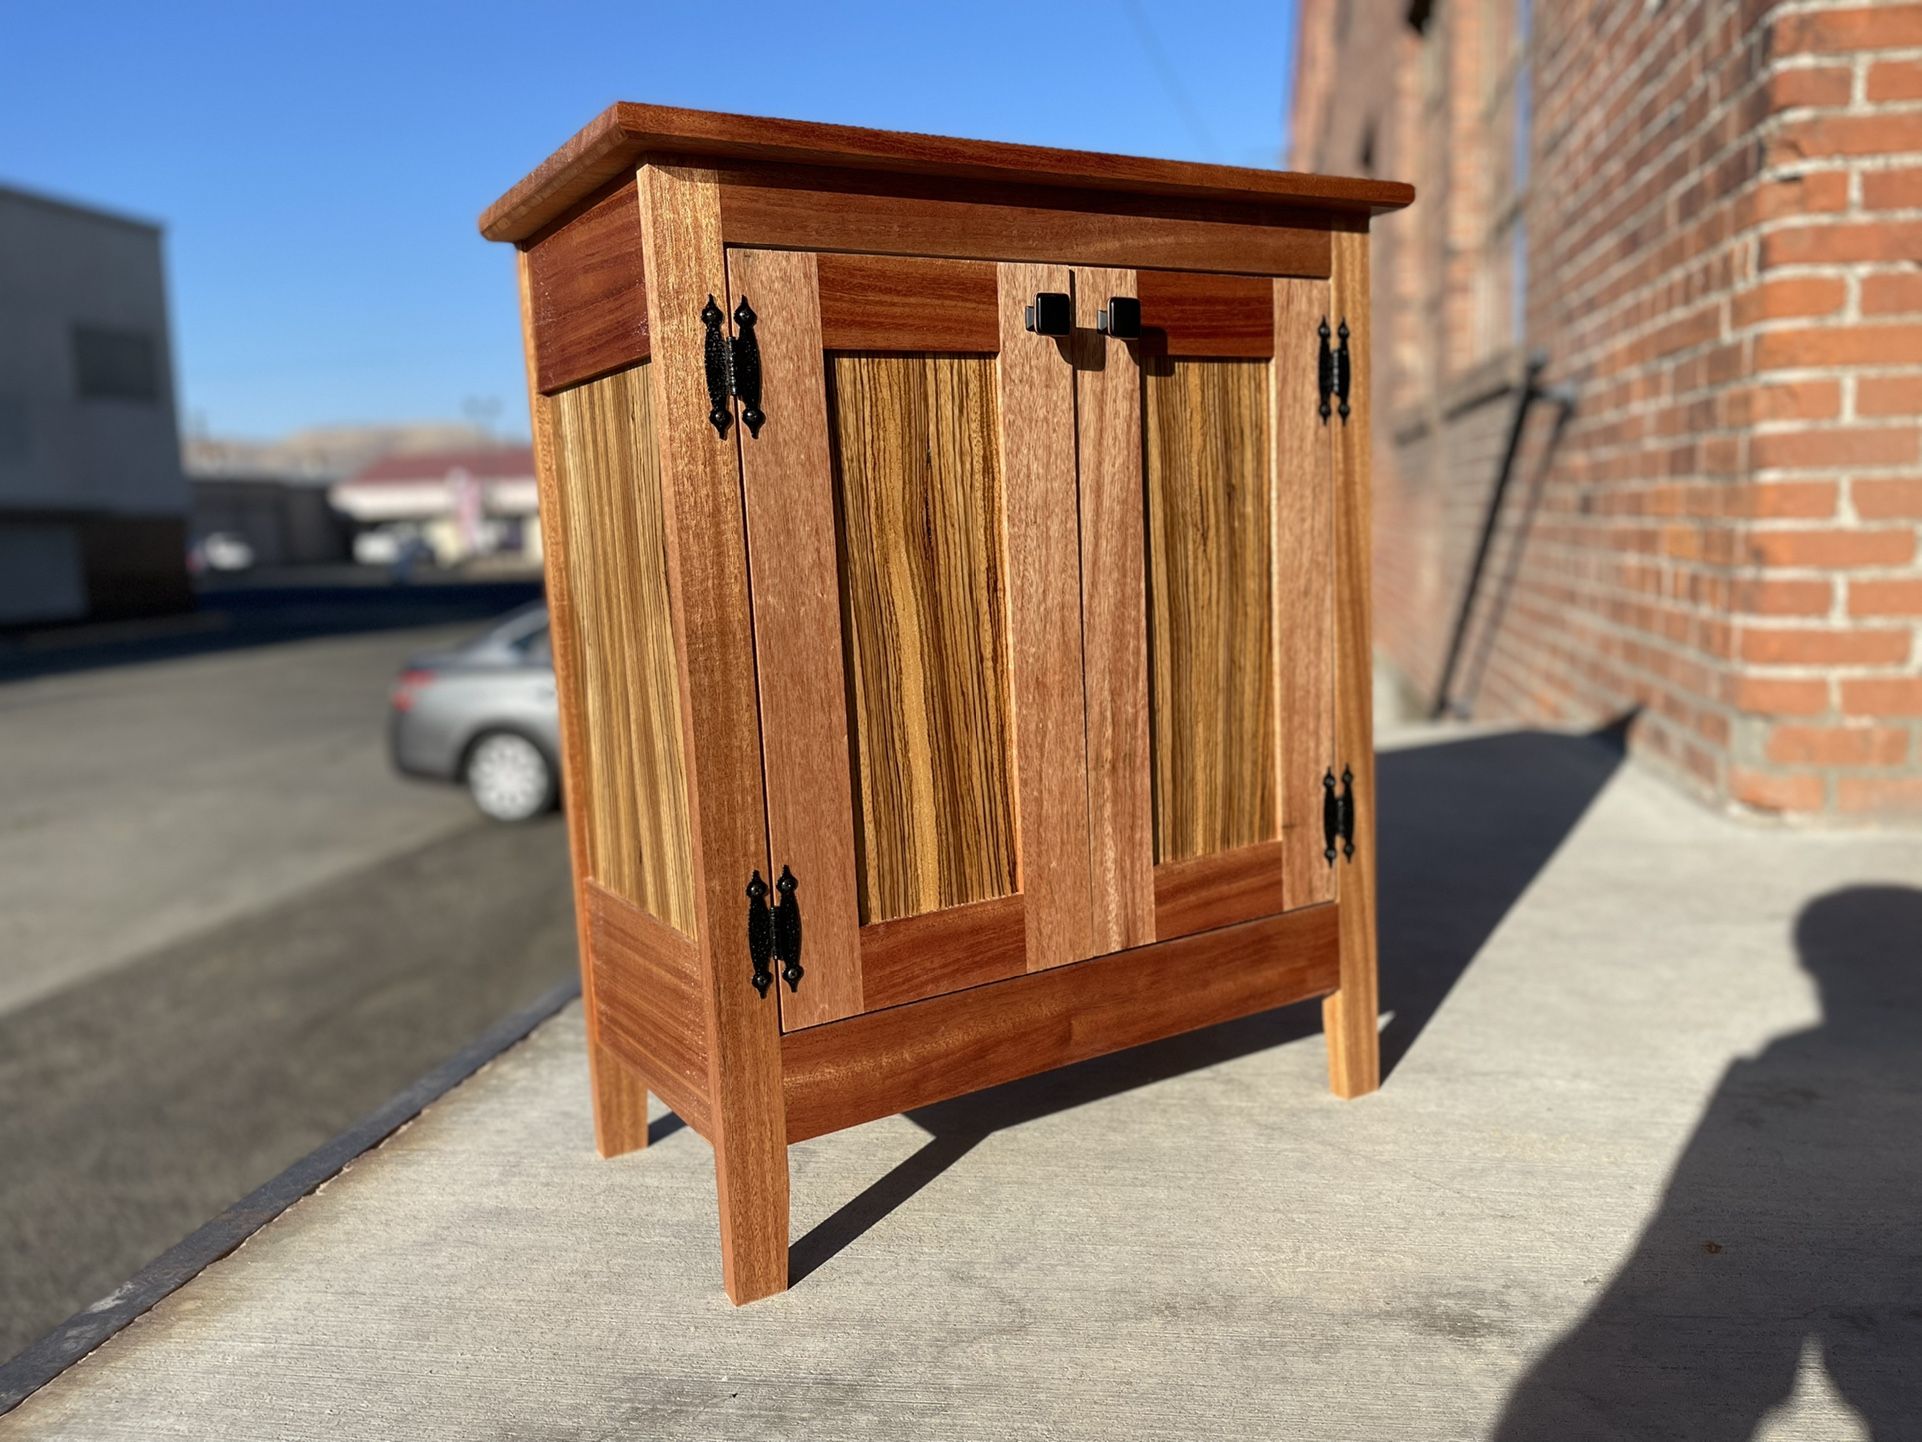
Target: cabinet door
x=1207, y=557
x=912, y=538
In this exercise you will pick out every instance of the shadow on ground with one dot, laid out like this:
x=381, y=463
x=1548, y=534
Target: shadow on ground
x=1792, y=1222
x=238, y=616
x=1466, y=825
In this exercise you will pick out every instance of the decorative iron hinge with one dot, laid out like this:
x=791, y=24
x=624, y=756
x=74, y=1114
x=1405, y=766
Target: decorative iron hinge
x=1334, y=370
x=787, y=930
x=1338, y=815
x=733, y=367
x=760, y=934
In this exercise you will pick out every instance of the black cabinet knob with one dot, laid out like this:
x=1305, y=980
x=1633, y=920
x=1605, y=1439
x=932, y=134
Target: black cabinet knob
x=1120, y=318
x=1051, y=314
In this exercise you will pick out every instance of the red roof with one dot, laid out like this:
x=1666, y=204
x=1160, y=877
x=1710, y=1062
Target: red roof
x=488, y=463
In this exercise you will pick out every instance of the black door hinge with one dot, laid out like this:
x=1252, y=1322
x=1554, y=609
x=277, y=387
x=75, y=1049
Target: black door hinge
x=1338, y=815
x=733, y=367
x=787, y=930
x=1334, y=370
x=760, y=934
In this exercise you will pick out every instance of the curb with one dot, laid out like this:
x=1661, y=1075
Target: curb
x=42, y=1361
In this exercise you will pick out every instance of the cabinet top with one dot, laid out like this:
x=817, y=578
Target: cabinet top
x=621, y=136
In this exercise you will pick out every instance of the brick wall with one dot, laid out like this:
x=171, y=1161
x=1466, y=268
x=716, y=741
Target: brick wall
x=1712, y=230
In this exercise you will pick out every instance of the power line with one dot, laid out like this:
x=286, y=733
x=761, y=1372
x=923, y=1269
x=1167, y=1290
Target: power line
x=1171, y=81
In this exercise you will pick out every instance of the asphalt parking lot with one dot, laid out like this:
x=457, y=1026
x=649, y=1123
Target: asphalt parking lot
x=227, y=930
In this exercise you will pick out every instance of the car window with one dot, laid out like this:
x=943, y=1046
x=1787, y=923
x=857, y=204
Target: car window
x=534, y=646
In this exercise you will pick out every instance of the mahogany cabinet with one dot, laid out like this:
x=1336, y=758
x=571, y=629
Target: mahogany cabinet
x=958, y=562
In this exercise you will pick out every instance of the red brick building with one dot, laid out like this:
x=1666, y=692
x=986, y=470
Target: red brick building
x=1705, y=216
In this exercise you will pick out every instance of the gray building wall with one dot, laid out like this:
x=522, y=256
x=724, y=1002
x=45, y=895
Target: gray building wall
x=93, y=501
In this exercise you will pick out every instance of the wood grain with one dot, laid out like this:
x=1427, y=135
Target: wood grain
x=1351, y=1017
x=1044, y=601
x=1211, y=618
x=1114, y=626
x=896, y=303
x=1304, y=589
x=1185, y=314
x=924, y=596
x=708, y=591
x=872, y=1066
x=777, y=210
x=1218, y=889
x=647, y=998
x=617, y=140
x=963, y=946
x=589, y=295
x=639, y=844
x=797, y=630
x=619, y=1098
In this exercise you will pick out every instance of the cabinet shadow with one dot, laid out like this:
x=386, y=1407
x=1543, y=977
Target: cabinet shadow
x=1465, y=826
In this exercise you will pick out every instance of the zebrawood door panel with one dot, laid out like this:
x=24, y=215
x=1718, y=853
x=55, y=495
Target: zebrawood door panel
x=1226, y=616
x=1210, y=627
x=924, y=600
x=912, y=544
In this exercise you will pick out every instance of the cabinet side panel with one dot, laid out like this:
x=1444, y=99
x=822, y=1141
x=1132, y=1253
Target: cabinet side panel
x=1211, y=652
x=620, y=1097
x=637, y=832
x=923, y=575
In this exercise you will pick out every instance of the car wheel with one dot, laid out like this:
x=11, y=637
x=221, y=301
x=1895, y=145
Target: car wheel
x=509, y=777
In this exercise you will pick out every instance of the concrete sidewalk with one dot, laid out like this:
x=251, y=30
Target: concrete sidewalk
x=1646, y=1166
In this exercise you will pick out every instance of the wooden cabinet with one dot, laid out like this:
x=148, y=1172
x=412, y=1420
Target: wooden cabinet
x=958, y=563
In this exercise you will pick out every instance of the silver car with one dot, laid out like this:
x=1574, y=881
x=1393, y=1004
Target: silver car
x=483, y=714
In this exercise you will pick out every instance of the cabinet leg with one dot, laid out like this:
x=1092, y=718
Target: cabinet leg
x=1354, y=1044
x=751, y=1182
x=620, y=1103
x=1351, y=1018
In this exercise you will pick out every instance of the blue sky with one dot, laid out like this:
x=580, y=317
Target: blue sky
x=319, y=167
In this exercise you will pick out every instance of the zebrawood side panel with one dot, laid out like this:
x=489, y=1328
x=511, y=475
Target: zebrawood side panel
x=638, y=838
x=1218, y=889
x=1044, y=602
x=917, y=454
x=1114, y=625
x=589, y=298
x=797, y=631
x=1351, y=1017
x=1211, y=644
x=963, y=946
x=870, y=1066
x=619, y=1097
x=899, y=303
x=712, y=618
x=647, y=996
x=1304, y=590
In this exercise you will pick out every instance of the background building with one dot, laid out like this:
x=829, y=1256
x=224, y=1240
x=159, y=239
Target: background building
x=1706, y=218
x=93, y=503
x=281, y=520
x=463, y=504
